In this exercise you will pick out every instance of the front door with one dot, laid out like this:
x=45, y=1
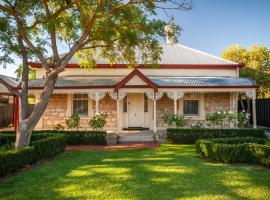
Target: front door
x=135, y=110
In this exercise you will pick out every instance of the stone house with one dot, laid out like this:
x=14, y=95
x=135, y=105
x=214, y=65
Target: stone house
x=187, y=82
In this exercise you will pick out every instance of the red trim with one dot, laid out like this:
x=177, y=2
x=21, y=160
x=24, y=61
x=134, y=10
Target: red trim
x=147, y=86
x=73, y=87
x=135, y=72
x=161, y=66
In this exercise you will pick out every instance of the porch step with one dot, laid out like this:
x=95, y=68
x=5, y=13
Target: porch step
x=135, y=137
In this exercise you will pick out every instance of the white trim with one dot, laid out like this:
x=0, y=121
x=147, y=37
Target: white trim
x=200, y=98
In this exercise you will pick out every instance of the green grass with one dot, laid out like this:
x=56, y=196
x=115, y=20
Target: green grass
x=171, y=172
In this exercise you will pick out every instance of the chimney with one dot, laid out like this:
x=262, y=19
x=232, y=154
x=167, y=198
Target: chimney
x=170, y=38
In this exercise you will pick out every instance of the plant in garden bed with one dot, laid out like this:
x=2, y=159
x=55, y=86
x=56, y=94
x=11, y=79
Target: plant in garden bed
x=98, y=122
x=73, y=121
x=59, y=127
x=197, y=125
x=217, y=118
x=220, y=118
x=173, y=120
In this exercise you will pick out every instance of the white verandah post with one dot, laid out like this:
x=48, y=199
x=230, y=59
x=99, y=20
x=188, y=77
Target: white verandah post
x=97, y=104
x=118, y=114
x=155, y=114
x=175, y=106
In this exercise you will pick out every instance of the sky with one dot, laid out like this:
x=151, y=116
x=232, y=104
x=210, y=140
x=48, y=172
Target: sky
x=214, y=25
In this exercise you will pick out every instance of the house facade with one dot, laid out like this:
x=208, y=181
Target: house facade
x=187, y=82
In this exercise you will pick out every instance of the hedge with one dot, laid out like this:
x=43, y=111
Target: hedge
x=43, y=146
x=86, y=138
x=13, y=160
x=48, y=146
x=73, y=137
x=235, y=150
x=189, y=136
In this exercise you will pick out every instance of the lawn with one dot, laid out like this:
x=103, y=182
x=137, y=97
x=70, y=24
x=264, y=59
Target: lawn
x=171, y=172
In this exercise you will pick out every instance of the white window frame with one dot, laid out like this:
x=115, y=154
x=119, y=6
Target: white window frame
x=193, y=96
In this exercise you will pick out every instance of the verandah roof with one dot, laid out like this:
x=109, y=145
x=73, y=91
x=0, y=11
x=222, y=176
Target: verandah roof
x=160, y=82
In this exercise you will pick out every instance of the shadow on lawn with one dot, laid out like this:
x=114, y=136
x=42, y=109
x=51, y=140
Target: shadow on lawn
x=170, y=172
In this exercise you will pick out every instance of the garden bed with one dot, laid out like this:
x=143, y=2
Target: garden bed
x=235, y=150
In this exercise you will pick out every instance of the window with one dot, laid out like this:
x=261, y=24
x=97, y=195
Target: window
x=125, y=104
x=80, y=104
x=145, y=103
x=191, y=107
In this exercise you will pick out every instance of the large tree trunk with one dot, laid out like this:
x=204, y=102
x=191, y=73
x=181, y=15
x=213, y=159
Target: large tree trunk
x=26, y=126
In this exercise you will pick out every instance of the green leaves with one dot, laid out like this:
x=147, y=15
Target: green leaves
x=257, y=61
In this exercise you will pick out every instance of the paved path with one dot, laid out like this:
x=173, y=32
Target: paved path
x=145, y=145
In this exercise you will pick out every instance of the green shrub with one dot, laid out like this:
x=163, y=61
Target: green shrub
x=189, y=136
x=98, y=121
x=48, y=146
x=73, y=137
x=173, y=120
x=86, y=138
x=12, y=160
x=73, y=121
x=7, y=139
x=235, y=150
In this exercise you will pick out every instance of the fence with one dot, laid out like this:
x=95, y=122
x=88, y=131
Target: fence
x=6, y=114
x=262, y=111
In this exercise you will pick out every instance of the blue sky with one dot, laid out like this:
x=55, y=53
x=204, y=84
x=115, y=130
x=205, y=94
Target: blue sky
x=215, y=24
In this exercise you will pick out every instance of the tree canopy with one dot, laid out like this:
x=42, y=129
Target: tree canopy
x=111, y=29
x=257, y=65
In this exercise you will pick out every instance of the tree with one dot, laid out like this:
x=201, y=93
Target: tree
x=31, y=76
x=257, y=61
x=34, y=29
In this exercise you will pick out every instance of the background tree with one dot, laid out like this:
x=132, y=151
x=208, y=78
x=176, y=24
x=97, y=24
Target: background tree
x=257, y=61
x=34, y=29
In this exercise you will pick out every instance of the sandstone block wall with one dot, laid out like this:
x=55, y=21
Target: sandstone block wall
x=164, y=104
x=57, y=107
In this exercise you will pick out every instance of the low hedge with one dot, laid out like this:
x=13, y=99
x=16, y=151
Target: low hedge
x=13, y=160
x=43, y=146
x=73, y=137
x=235, y=150
x=189, y=136
x=48, y=146
x=86, y=138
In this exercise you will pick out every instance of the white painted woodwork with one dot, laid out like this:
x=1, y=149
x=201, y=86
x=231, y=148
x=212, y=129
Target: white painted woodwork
x=155, y=115
x=135, y=110
x=118, y=114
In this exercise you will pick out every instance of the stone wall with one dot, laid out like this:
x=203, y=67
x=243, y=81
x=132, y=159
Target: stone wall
x=164, y=104
x=55, y=112
x=216, y=102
